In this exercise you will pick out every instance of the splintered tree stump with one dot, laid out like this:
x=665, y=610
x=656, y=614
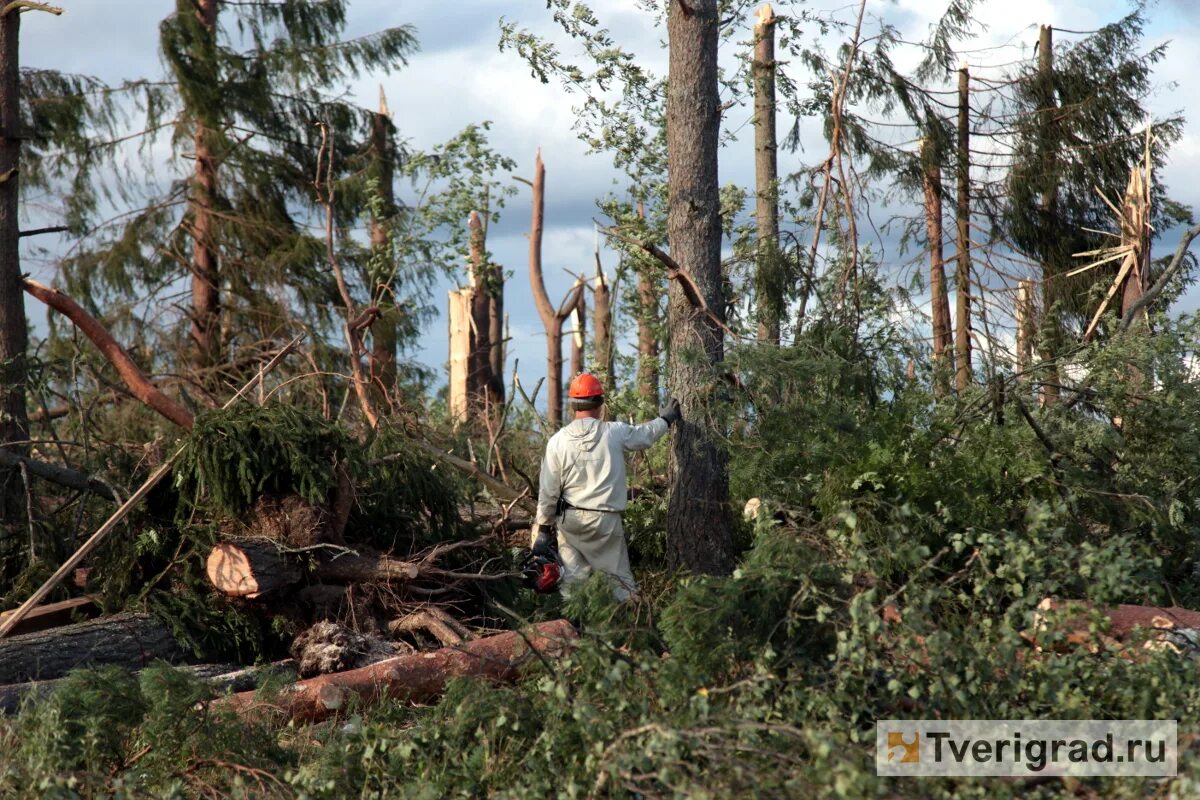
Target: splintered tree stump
x=125, y=640
x=251, y=568
x=413, y=678
x=288, y=519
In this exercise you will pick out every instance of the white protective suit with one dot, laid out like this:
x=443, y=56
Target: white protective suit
x=585, y=463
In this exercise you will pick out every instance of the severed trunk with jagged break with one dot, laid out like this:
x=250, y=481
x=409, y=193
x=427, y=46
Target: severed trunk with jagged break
x=384, y=335
x=768, y=282
x=647, y=336
x=699, y=521
x=943, y=336
x=14, y=422
x=206, y=274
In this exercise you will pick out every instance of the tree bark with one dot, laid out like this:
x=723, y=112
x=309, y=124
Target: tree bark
x=14, y=421
x=206, y=274
x=384, y=333
x=1049, y=338
x=125, y=640
x=414, y=678
x=579, y=330
x=552, y=320
x=603, y=325
x=768, y=278
x=647, y=330
x=479, y=363
x=943, y=336
x=1025, y=332
x=699, y=520
x=962, y=279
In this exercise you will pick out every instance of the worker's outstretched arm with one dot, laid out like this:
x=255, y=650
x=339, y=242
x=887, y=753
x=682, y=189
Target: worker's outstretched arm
x=639, y=437
x=549, y=487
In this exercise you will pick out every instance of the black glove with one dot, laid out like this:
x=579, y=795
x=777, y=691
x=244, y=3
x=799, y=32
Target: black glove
x=670, y=412
x=545, y=544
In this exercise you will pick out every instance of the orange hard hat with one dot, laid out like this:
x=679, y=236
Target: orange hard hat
x=585, y=385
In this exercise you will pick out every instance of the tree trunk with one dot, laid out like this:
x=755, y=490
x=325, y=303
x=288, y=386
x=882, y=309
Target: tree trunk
x=384, y=332
x=460, y=353
x=699, y=520
x=1025, y=332
x=603, y=333
x=579, y=330
x=14, y=421
x=480, y=383
x=768, y=278
x=551, y=319
x=125, y=640
x=206, y=275
x=647, y=330
x=1049, y=338
x=962, y=279
x=414, y=678
x=943, y=337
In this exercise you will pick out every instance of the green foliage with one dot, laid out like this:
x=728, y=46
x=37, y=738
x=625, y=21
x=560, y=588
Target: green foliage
x=235, y=455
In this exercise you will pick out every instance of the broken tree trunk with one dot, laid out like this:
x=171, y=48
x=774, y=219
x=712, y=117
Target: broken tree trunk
x=579, y=330
x=460, y=351
x=1025, y=328
x=1126, y=624
x=943, y=336
x=602, y=311
x=412, y=678
x=125, y=640
x=552, y=319
x=769, y=284
x=962, y=278
x=385, y=331
x=480, y=381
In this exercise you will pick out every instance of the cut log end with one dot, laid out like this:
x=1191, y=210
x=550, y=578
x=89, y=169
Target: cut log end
x=249, y=569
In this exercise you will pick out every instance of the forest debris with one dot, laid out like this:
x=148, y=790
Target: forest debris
x=1152, y=627
x=447, y=629
x=54, y=615
x=330, y=647
x=94, y=540
x=124, y=640
x=412, y=678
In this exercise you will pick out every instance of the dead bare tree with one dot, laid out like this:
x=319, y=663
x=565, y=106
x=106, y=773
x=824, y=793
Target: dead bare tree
x=552, y=318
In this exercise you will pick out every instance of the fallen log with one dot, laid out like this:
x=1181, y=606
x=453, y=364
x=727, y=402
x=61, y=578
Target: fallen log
x=251, y=568
x=221, y=678
x=1153, y=627
x=125, y=640
x=54, y=615
x=412, y=678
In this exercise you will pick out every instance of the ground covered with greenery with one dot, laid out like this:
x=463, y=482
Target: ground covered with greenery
x=962, y=514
